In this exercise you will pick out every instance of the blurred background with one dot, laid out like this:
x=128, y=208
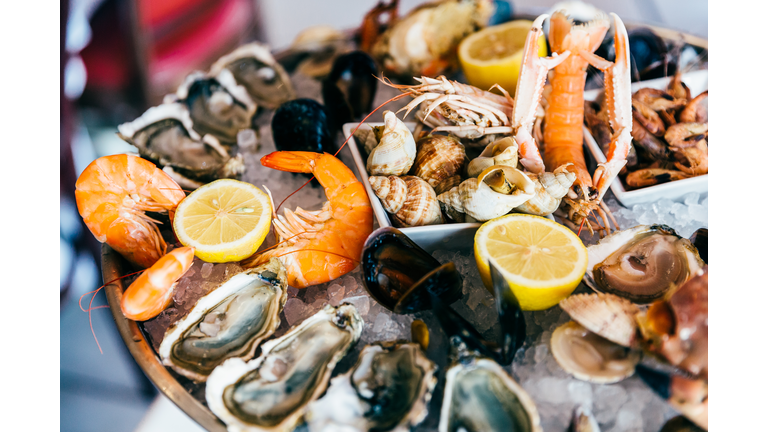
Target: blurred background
x=119, y=57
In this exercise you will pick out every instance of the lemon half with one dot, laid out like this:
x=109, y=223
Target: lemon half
x=542, y=261
x=493, y=55
x=225, y=220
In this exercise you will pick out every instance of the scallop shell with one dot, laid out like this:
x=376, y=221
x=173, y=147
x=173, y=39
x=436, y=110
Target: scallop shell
x=439, y=161
x=606, y=315
x=499, y=152
x=410, y=200
x=551, y=187
x=474, y=197
x=396, y=150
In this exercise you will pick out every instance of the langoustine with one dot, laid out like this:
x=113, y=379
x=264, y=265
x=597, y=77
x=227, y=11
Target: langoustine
x=321, y=245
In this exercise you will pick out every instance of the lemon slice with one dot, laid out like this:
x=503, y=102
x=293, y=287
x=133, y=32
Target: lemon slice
x=542, y=260
x=493, y=55
x=225, y=220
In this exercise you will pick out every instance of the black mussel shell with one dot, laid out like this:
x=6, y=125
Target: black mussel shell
x=225, y=123
x=700, y=240
x=400, y=275
x=349, y=89
x=302, y=125
x=510, y=316
x=680, y=424
x=649, y=54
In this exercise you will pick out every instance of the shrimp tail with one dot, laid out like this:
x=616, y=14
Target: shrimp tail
x=290, y=161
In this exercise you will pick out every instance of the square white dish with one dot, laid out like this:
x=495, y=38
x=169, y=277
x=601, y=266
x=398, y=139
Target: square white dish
x=697, y=82
x=450, y=236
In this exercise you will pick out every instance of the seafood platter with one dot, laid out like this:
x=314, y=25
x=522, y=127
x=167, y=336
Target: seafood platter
x=471, y=275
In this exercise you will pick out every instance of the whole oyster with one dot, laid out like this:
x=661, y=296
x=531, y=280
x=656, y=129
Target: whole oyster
x=388, y=389
x=165, y=135
x=253, y=67
x=271, y=393
x=641, y=263
x=229, y=322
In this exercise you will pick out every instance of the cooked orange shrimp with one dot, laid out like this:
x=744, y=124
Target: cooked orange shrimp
x=113, y=193
x=151, y=292
x=322, y=245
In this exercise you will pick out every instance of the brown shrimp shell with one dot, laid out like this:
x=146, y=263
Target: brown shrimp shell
x=439, y=161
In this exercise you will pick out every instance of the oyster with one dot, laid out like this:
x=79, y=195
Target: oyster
x=229, y=322
x=439, y=161
x=500, y=152
x=409, y=199
x=396, y=148
x=217, y=107
x=400, y=275
x=497, y=191
x=253, y=67
x=164, y=134
x=641, y=263
x=272, y=392
x=388, y=389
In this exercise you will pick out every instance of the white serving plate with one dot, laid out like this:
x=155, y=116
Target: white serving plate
x=451, y=236
x=697, y=82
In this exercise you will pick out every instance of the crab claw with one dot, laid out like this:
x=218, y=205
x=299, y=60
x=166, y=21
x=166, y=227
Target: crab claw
x=618, y=100
x=530, y=85
x=689, y=396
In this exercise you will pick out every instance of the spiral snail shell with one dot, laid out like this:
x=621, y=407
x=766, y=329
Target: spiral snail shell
x=410, y=200
x=439, y=161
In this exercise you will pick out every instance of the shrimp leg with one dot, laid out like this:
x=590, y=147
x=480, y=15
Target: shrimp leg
x=618, y=98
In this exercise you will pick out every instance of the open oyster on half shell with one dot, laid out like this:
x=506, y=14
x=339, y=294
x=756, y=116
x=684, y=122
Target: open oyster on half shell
x=272, y=392
x=165, y=135
x=230, y=321
x=388, y=389
x=641, y=263
x=217, y=106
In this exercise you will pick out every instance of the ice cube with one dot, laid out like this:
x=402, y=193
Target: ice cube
x=335, y=294
x=691, y=198
x=206, y=270
x=294, y=311
x=361, y=303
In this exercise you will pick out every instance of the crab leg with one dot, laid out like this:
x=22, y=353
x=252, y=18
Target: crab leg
x=530, y=85
x=618, y=98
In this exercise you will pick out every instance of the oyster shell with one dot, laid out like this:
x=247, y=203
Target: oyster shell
x=499, y=152
x=230, y=321
x=590, y=357
x=396, y=148
x=253, y=67
x=607, y=315
x=439, y=161
x=409, y=199
x=165, y=135
x=641, y=263
x=481, y=396
x=389, y=389
x=400, y=275
x=271, y=393
x=497, y=191
x=218, y=107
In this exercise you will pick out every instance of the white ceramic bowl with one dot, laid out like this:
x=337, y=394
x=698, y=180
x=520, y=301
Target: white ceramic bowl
x=697, y=82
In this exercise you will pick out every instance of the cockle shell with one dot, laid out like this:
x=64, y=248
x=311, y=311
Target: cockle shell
x=499, y=152
x=439, y=161
x=410, y=200
x=476, y=198
x=606, y=315
x=396, y=150
x=550, y=188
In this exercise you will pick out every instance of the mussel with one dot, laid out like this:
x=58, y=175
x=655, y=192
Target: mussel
x=641, y=263
x=349, y=89
x=401, y=276
x=302, y=125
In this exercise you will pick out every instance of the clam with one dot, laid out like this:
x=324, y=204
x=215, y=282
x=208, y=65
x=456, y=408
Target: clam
x=253, y=67
x=551, y=187
x=220, y=108
x=389, y=388
x=165, y=135
x=229, y=322
x=598, y=345
x=497, y=191
x=396, y=148
x=641, y=263
x=401, y=276
x=409, y=199
x=439, y=161
x=272, y=392
x=499, y=152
